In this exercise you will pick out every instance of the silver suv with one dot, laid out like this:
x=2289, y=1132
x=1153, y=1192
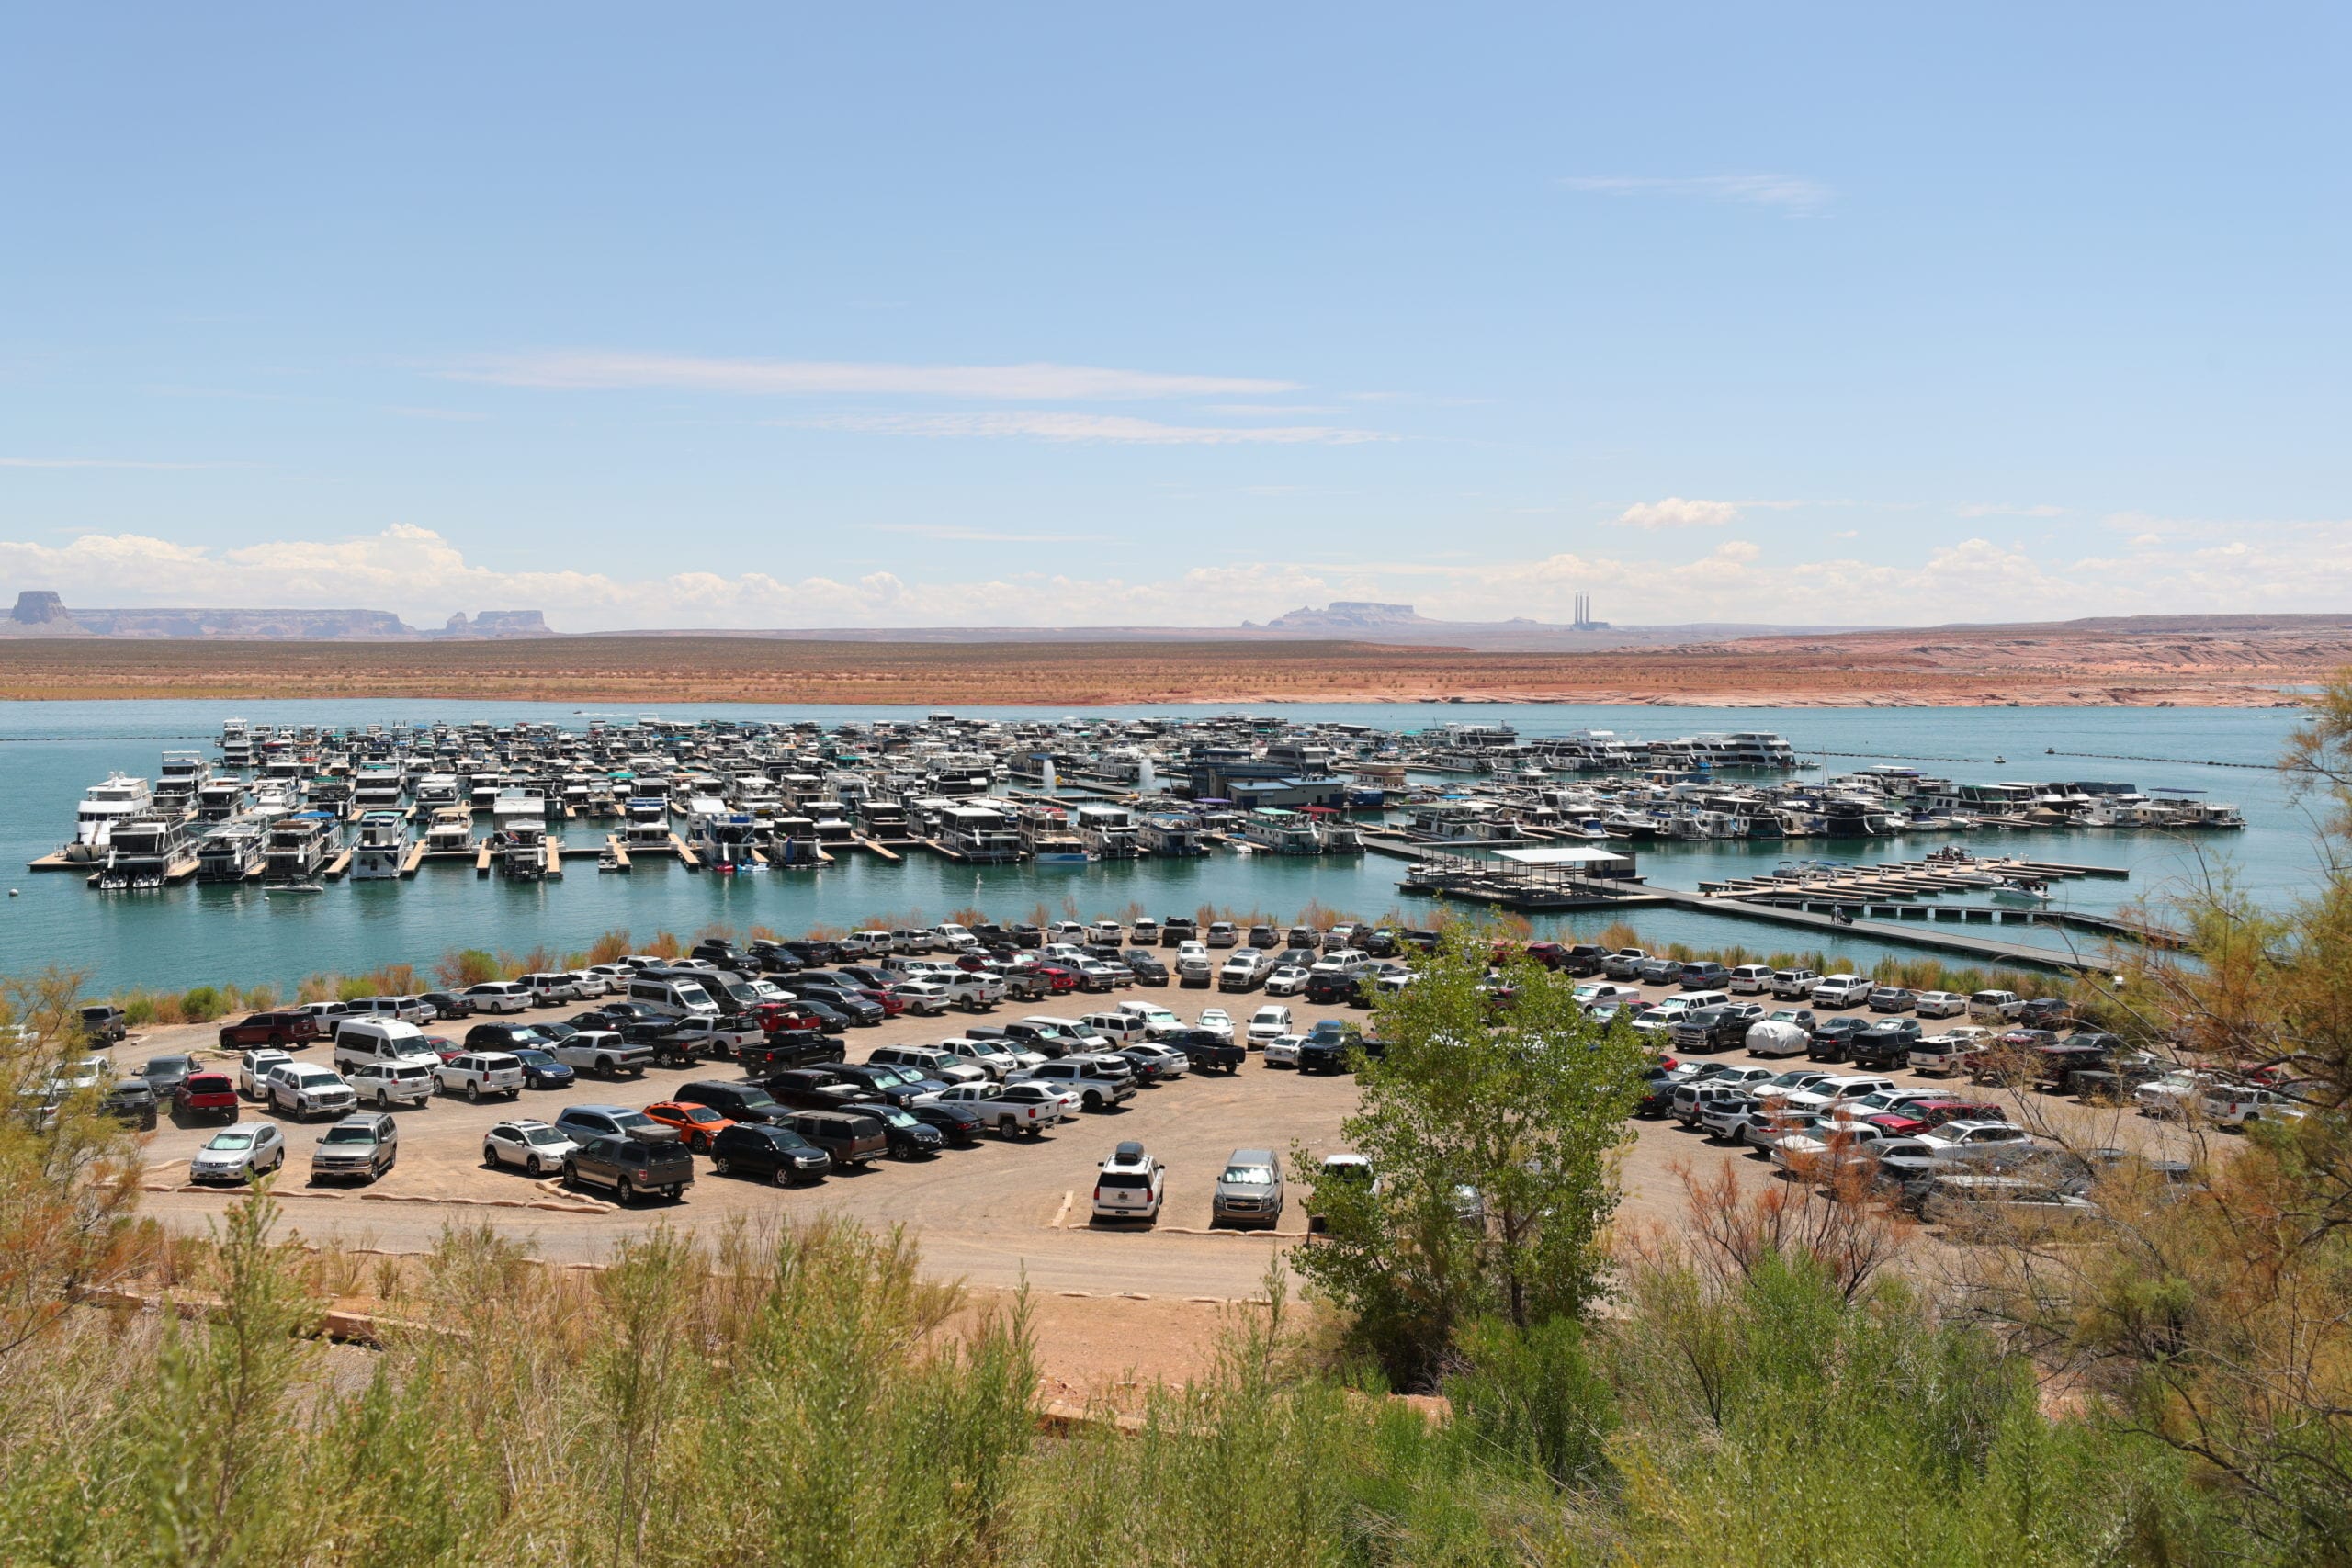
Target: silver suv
x=1250, y=1191
x=360, y=1147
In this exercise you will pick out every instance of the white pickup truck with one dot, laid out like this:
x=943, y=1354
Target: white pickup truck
x=603, y=1053
x=1841, y=991
x=1008, y=1108
x=708, y=1035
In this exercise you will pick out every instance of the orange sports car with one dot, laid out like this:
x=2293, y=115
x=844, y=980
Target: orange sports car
x=697, y=1126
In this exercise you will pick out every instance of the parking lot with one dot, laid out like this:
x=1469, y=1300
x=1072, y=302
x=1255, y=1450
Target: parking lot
x=997, y=1213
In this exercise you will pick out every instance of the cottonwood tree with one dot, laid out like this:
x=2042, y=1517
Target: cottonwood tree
x=1490, y=1114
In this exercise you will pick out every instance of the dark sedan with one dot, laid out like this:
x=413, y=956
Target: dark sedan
x=543, y=1071
x=1145, y=965
x=959, y=1124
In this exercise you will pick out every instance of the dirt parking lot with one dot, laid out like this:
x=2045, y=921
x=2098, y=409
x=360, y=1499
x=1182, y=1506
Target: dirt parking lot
x=998, y=1215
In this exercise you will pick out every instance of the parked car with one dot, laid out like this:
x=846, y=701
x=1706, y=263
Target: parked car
x=695, y=1125
x=448, y=1005
x=541, y=1070
x=480, y=1073
x=1939, y=1004
x=386, y=1084
x=1282, y=1050
x=1207, y=1050
x=498, y=996
x=529, y=1146
x=239, y=1154
x=1129, y=1185
x=604, y=1054
x=303, y=1092
x=363, y=1146
x=849, y=1136
x=1268, y=1023
x=1841, y=991
x=164, y=1073
x=131, y=1100
x=1009, y=1108
x=770, y=1150
x=283, y=1031
x=631, y=1168
x=205, y=1097
x=1793, y=984
x=581, y=1124
x=1250, y=1191
x=1892, y=998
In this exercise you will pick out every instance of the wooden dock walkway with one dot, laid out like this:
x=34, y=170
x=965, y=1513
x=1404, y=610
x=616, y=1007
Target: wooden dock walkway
x=339, y=865
x=884, y=851
x=416, y=859
x=686, y=857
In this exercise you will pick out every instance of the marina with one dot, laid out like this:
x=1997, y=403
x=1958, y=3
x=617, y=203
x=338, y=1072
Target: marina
x=788, y=817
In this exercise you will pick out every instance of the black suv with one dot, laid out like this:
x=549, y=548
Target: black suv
x=1834, y=1040
x=133, y=1100
x=1209, y=1051
x=1886, y=1045
x=1145, y=965
x=736, y=1101
x=506, y=1037
x=758, y=1148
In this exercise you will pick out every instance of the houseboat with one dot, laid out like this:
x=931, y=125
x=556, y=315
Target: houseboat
x=148, y=851
x=231, y=853
x=452, y=830
x=300, y=844
x=120, y=799
x=382, y=847
x=979, y=833
x=1046, y=834
x=1277, y=830
x=1107, y=832
x=184, y=774
x=1171, y=834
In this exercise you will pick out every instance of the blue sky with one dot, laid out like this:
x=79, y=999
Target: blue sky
x=770, y=316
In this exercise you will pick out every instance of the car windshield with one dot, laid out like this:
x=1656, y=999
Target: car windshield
x=231, y=1141
x=349, y=1135
x=542, y=1136
x=1247, y=1176
x=631, y=1119
x=699, y=1114
x=892, y=1117
x=535, y=1058
x=890, y=1078
x=315, y=1080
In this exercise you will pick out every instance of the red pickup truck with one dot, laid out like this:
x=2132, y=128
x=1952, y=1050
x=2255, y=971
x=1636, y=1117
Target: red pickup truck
x=205, y=1094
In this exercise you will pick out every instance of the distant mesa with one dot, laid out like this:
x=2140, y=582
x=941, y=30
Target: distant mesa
x=42, y=612
x=1348, y=615
x=496, y=623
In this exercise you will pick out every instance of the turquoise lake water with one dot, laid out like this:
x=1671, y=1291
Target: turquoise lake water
x=51, y=752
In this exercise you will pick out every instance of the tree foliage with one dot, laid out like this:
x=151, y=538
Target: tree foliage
x=1489, y=1115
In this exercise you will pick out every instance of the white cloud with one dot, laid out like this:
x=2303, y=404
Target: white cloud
x=2294, y=566
x=1056, y=425
x=1989, y=509
x=1786, y=193
x=1674, y=511
x=589, y=370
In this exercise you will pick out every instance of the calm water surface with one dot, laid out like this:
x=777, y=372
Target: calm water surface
x=51, y=752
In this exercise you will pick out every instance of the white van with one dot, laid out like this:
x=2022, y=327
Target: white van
x=1990, y=1006
x=672, y=998
x=867, y=944
x=1751, y=980
x=358, y=1040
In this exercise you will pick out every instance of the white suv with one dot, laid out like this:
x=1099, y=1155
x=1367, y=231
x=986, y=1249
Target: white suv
x=399, y=1081
x=478, y=1073
x=1129, y=1186
x=303, y=1092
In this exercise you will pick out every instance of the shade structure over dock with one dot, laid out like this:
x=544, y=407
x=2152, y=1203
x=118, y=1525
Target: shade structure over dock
x=1579, y=860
